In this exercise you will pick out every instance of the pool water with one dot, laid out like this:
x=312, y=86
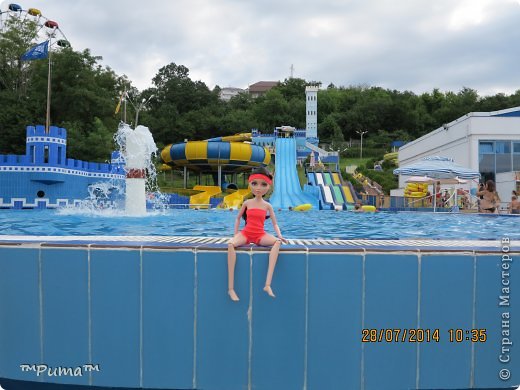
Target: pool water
x=220, y=223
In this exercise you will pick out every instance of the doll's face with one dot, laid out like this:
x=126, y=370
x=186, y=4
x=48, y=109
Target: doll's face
x=259, y=186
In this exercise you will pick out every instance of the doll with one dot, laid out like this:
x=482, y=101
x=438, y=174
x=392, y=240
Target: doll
x=255, y=211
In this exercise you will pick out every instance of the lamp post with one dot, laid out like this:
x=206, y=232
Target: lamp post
x=139, y=107
x=361, y=132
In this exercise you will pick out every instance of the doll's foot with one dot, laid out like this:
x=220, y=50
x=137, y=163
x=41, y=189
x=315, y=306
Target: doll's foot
x=269, y=292
x=233, y=295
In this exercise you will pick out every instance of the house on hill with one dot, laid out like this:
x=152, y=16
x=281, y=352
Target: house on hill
x=261, y=87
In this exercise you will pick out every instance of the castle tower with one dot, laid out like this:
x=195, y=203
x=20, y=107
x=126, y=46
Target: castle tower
x=46, y=148
x=311, y=104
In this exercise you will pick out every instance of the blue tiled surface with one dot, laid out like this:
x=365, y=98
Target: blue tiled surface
x=180, y=330
x=168, y=312
x=334, y=321
x=390, y=303
x=279, y=323
x=19, y=311
x=489, y=315
x=115, y=300
x=65, y=310
x=446, y=303
x=222, y=325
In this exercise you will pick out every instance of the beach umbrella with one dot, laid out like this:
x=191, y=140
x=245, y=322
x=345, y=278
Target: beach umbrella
x=430, y=180
x=437, y=168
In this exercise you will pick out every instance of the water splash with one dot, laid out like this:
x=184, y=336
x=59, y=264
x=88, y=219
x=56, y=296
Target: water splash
x=140, y=191
x=137, y=148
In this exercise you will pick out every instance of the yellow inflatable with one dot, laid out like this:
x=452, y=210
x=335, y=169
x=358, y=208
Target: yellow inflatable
x=369, y=208
x=416, y=190
x=303, y=207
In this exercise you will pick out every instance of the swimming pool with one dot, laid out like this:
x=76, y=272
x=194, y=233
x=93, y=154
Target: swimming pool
x=219, y=223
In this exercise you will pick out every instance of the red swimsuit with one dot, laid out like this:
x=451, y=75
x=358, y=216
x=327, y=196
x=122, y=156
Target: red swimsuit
x=254, y=229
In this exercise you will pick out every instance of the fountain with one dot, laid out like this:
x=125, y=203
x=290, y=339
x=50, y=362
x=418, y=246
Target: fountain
x=137, y=148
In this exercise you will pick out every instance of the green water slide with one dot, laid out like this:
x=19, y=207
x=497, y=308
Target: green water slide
x=338, y=194
x=327, y=178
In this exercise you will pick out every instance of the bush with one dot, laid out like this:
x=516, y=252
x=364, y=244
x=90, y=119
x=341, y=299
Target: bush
x=386, y=178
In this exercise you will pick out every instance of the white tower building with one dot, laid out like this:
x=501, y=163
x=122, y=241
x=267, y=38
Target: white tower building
x=311, y=103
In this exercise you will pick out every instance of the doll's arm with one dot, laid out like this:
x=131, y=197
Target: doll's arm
x=240, y=213
x=275, y=224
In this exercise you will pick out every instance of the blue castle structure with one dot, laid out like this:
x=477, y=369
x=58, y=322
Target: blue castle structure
x=45, y=178
x=304, y=145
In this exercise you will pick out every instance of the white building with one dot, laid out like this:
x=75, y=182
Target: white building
x=228, y=92
x=311, y=104
x=485, y=141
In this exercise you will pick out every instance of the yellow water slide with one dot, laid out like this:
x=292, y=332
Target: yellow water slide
x=335, y=178
x=235, y=199
x=234, y=138
x=348, y=194
x=201, y=200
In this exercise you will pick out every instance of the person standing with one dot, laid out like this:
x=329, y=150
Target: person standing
x=489, y=199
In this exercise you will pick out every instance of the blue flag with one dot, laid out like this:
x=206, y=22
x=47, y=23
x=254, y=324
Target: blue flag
x=41, y=50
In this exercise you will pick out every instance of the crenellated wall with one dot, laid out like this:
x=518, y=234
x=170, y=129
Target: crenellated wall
x=50, y=150
x=44, y=177
x=157, y=315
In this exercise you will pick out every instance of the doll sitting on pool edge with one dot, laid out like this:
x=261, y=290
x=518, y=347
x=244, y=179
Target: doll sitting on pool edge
x=256, y=210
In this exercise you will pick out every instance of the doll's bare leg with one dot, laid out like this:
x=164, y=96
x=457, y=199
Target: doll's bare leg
x=273, y=258
x=238, y=240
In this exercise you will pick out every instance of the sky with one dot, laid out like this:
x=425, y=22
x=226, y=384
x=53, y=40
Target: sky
x=412, y=45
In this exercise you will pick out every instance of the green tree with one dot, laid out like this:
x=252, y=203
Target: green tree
x=271, y=110
x=16, y=37
x=292, y=88
x=83, y=94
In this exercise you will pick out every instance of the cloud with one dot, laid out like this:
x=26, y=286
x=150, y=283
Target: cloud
x=411, y=45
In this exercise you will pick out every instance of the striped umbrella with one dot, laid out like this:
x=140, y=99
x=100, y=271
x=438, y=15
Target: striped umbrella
x=438, y=168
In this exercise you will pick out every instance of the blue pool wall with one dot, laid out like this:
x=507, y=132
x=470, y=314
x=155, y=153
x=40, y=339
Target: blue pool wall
x=161, y=318
x=45, y=178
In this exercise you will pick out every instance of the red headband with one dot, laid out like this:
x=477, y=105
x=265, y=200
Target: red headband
x=260, y=176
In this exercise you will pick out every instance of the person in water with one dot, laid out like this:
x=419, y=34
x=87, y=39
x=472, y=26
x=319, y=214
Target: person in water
x=514, y=206
x=489, y=199
x=255, y=211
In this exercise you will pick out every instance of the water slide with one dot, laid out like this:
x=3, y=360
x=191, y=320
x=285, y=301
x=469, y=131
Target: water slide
x=313, y=181
x=348, y=194
x=235, y=199
x=338, y=194
x=327, y=178
x=332, y=194
x=287, y=190
x=222, y=154
x=335, y=178
x=202, y=200
x=332, y=189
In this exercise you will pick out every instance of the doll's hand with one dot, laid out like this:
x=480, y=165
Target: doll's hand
x=283, y=240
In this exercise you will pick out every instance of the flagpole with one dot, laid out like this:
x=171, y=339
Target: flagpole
x=124, y=106
x=48, y=115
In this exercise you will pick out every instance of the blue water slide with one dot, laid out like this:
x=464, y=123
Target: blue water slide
x=313, y=180
x=287, y=190
x=327, y=202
